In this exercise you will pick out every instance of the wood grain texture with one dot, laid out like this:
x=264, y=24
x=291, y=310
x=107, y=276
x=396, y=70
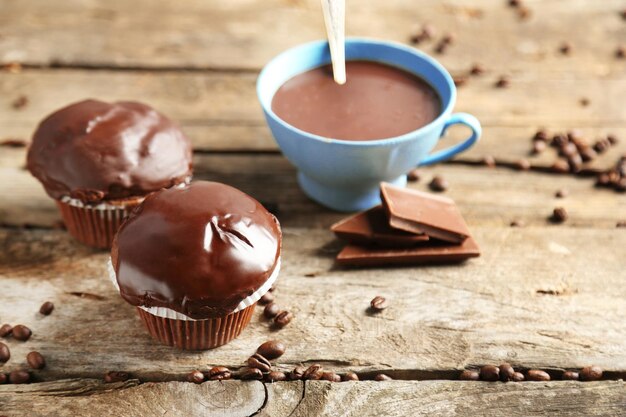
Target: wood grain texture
x=486, y=196
x=245, y=34
x=315, y=398
x=534, y=299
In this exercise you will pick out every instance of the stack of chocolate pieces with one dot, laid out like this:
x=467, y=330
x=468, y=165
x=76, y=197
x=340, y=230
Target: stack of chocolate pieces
x=410, y=227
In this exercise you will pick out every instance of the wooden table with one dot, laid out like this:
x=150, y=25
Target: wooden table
x=542, y=296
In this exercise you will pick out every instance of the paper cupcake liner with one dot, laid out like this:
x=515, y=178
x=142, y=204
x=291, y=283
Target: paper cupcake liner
x=196, y=334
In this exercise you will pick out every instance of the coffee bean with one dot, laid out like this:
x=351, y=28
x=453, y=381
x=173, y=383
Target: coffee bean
x=601, y=146
x=267, y=298
x=428, y=31
x=13, y=143
x=570, y=376
x=259, y=362
x=350, y=376
x=490, y=373
x=330, y=376
x=517, y=377
x=559, y=215
x=275, y=376
x=603, y=180
x=538, y=147
x=489, y=161
x=623, y=14
x=21, y=332
x=271, y=310
x=469, y=375
x=20, y=102
x=575, y=163
x=517, y=223
x=5, y=330
x=438, y=184
x=522, y=165
x=250, y=374
x=584, y=101
x=283, y=318
x=196, y=377
x=561, y=193
x=46, y=308
x=588, y=154
x=36, y=360
x=382, y=377
x=612, y=139
x=591, y=373
x=515, y=3
x=620, y=52
x=116, y=376
x=413, y=175
x=477, y=69
x=460, y=80
x=503, y=82
x=542, y=135
x=568, y=149
x=565, y=48
x=313, y=372
x=524, y=12
x=506, y=372
x=449, y=38
x=537, y=375
x=219, y=373
x=621, y=224
x=271, y=349
x=5, y=353
x=3, y=378
x=19, y=376
x=441, y=48
x=378, y=303
x=558, y=140
x=297, y=373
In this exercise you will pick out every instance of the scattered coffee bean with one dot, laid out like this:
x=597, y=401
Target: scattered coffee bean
x=559, y=215
x=271, y=310
x=276, y=376
x=601, y=146
x=441, y=48
x=19, y=376
x=20, y=102
x=460, y=80
x=413, y=175
x=36, y=360
x=524, y=13
x=271, y=349
x=570, y=376
x=621, y=224
x=427, y=33
x=517, y=377
x=469, y=375
x=5, y=330
x=584, y=101
x=116, y=376
x=489, y=161
x=438, y=184
x=297, y=373
x=259, y=362
x=588, y=154
x=313, y=372
x=477, y=69
x=378, y=303
x=267, y=298
x=612, y=139
x=449, y=38
x=538, y=147
x=560, y=166
x=591, y=373
x=490, y=373
x=522, y=165
x=46, y=308
x=21, y=332
x=623, y=14
x=517, y=223
x=382, y=377
x=219, y=373
x=250, y=374
x=3, y=378
x=515, y=3
x=350, y=376
x=561, y=193
x=575, y=163
x=568, y=149
x=537, y=375
x=506, y=372
x=5, y=353
x=603, y=180
x=503, y=82
x=542, y=135
x=620, y=52
x=196, y=377
x=283, y=318
x=330, y=376
x=13, y=143
x=558, y=140
x=565, y=48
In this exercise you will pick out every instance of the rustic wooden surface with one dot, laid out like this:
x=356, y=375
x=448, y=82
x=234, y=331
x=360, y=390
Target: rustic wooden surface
x=542, y=296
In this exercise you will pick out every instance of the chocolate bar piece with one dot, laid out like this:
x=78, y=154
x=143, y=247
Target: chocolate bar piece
x=431, y=253
x=418, y=212
x=372, y=227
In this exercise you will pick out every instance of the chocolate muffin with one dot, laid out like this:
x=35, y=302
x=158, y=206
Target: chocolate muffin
x=195, y=260
x=98, y=160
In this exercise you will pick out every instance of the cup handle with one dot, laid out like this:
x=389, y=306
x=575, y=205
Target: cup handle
x=447, y=153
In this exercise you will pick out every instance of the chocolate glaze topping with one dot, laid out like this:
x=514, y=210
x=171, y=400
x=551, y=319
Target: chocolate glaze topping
x=93, y=151
x=199, y=250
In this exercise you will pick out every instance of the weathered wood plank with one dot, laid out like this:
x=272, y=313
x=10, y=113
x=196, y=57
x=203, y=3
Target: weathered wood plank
x=535, y=299
x=486, y=196
x=234, y=34
x=316, y=398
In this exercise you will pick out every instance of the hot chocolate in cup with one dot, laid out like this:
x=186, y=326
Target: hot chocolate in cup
x=344, y=174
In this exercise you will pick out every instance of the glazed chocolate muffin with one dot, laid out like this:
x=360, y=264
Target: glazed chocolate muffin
x=98, y=160
x=194, y=260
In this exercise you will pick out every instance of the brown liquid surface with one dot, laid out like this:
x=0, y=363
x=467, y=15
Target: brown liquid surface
x=377, y=102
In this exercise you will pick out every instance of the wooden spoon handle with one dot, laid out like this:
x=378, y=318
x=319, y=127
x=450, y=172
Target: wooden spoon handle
x=334, y=19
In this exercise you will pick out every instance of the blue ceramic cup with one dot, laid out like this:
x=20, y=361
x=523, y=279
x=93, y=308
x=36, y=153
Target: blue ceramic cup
x=345, y=175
